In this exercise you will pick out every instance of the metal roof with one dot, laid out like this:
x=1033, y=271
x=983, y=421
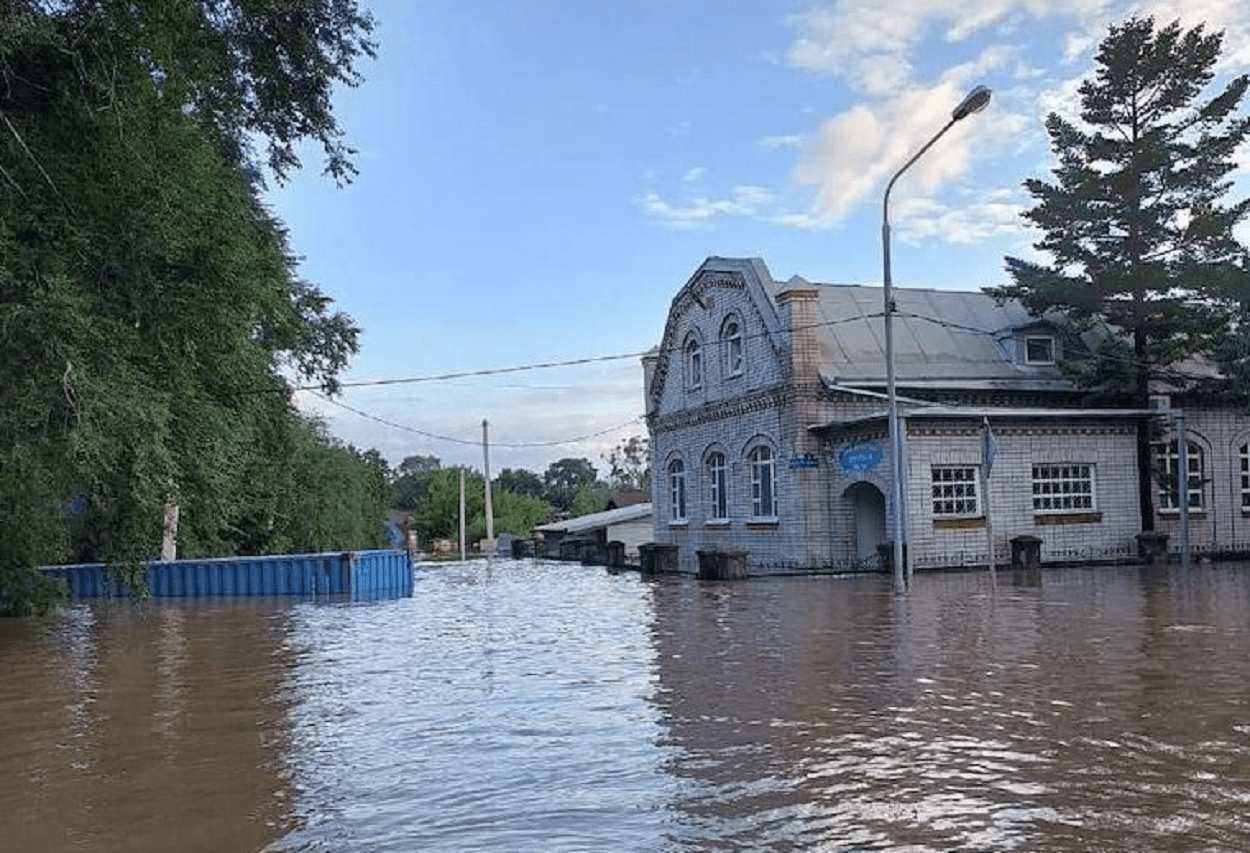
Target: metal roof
x=941, y=337
x=595, y=520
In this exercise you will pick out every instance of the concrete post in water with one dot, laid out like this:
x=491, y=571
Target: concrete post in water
x=656, y=558
x=722, y=565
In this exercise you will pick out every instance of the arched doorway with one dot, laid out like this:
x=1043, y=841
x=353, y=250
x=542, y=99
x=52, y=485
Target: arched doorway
x=868, y=511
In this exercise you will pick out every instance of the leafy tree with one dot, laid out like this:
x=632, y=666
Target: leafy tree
x=412, y=479
x=149, y=305
x=519, y=481
x=630, y=464
x=590, y=497
x=562, y=479
x=436, y=514
x=1141, y=241
x=515, y=514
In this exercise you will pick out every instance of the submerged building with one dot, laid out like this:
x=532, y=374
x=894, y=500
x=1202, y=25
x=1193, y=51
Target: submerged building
x=766, y=407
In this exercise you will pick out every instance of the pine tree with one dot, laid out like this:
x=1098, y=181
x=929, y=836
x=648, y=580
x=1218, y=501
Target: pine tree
x=1141, y=240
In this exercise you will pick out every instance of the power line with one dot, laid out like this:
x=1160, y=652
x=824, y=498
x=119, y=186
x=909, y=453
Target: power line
x=474, y=441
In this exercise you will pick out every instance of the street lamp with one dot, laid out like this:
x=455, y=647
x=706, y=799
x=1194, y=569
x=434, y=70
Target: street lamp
x=973, y=103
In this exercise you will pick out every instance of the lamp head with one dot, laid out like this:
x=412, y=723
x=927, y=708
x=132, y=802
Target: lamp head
x=973, y=103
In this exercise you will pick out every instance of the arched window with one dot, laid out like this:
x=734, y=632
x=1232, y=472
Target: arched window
x=731, y=345
x=694, y=363
x=718, y=487
x=677, y=490
x=763, y=483
x=1167, y=459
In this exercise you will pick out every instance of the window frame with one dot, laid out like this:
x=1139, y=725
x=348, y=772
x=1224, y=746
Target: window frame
x=677, y=492
x=957, y=490
x=732, y=343
x=1049, y=340
x=1243, y=459
x=717, y=466
x=1167, y=456
x=1072, y=483
x=763, y=480
x=692, y=359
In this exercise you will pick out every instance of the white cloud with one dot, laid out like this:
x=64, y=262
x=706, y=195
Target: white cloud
x=700, y=211
x=854, y=154
x=789, y=141
x=693, y=174
x=870, y=43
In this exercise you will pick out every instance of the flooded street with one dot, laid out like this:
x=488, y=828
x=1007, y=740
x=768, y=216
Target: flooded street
x=536, y=706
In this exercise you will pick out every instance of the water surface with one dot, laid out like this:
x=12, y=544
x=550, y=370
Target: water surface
x=537, y=706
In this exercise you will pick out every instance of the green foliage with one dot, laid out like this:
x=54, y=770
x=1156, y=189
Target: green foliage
x=521, y=482
x=590, y=497
x=1140, y=240
x=412, y=480
x=563, y=478
x=149, y=304
x=437, y=512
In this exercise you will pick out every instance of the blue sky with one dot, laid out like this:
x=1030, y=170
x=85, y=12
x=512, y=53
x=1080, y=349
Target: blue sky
x=538, y=178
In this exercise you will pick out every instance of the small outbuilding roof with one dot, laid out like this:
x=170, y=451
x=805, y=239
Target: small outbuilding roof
x=596, y=520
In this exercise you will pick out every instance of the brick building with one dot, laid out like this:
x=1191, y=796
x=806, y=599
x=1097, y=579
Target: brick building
x=767, y=417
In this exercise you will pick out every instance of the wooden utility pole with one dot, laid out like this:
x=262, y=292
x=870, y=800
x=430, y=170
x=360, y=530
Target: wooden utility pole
x=463, y=555
x=490, y=512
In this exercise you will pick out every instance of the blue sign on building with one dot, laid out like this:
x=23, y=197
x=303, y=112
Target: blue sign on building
x=807, y=460
x=860, y=456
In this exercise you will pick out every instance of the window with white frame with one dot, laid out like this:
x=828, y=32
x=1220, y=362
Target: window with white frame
x=677, y=490
x=1063, y=487
x=718, y=487
x=955, y=490
x=763, y=483
x=731, y=341
x=694, y=363
x=1039, y=349
x=1244, y=459
x=1169, y=466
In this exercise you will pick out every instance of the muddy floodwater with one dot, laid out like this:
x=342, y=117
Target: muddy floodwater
x=537, y=706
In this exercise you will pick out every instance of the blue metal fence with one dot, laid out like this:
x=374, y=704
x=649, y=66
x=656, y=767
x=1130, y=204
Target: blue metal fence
x=360, y=574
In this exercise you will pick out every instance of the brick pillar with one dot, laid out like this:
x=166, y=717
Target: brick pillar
x=807, y=486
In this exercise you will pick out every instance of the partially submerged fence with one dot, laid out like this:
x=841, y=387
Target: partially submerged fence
x=359, y=574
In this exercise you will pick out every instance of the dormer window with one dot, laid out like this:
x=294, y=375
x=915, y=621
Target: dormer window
x=1039, y=349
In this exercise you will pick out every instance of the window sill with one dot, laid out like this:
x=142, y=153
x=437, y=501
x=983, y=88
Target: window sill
x=685, y=522
x=717, y=523
x=963, y=523
x=1193, y=513
x=1049, y=518
x=763, y=524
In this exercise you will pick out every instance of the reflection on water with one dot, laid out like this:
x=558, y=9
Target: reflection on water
x=146, y=728
x=543, y=706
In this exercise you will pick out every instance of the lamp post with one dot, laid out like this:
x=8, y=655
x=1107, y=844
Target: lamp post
x=973, y=103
